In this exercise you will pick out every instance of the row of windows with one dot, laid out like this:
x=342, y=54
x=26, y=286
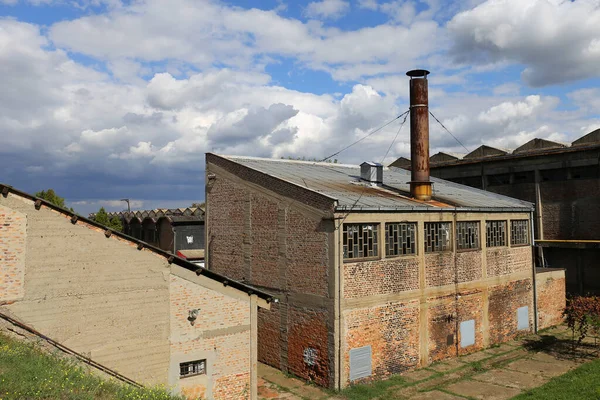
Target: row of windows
x=362, y=240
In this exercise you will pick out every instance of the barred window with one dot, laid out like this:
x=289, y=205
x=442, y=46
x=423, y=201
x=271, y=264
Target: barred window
x=400, y=238
x=495, y=233
x=192, y=368
x=438, y=236
x=360, y=241
x=467, y=235
x=519, y=232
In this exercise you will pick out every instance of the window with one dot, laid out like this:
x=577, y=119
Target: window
x=467, y=235
x=400, y=238
x=192, y=368
x=437, y=236
x=495, y=233
x=360, y=241
x=519, y=232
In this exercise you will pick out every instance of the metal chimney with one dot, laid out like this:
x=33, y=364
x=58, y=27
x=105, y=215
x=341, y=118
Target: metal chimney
x=420, y=186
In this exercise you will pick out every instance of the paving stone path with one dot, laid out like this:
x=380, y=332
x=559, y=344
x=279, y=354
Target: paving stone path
x=498, y=373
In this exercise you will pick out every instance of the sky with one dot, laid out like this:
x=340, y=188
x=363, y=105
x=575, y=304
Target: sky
x=109, y=99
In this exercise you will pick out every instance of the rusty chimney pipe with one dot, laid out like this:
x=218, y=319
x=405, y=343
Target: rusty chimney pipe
x=420, y=186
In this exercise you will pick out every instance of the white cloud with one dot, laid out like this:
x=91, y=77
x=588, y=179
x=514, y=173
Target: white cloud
x=327, y=9
x=556, y=41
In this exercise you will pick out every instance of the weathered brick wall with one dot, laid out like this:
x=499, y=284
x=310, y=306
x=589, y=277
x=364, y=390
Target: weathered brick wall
x=371, y=278
x=444, y=317
x=13, y=231
x=220, y=335
x=551, y=297
x=282, y=246
x=307, y=328
x=392, y=331
x=504, y=300
x=442, y=269
x=505, y=260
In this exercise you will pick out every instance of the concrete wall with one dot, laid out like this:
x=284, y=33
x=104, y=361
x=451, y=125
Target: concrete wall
x=123, y=307
x=409, y=308
x=551, y=300
x=261, y=232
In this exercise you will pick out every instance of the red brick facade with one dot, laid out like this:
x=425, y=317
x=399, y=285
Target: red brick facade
x=551, y=302
x=269, y=242
x=408, y=309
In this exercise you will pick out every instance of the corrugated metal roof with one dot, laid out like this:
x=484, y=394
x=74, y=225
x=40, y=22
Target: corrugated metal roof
x=342, y=182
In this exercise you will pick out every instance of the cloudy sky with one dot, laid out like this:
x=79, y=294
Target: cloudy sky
x=105, y=99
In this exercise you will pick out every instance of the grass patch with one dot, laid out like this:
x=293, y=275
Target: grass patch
x=374, y=389
x=581, y=383
x=26, y=372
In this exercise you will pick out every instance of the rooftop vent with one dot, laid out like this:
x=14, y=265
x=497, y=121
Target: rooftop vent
x=372, y=172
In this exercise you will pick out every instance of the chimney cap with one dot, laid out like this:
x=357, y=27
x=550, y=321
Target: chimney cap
x=418, y=73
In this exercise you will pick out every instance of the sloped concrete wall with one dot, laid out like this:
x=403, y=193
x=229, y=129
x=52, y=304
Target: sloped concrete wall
x=99, y=296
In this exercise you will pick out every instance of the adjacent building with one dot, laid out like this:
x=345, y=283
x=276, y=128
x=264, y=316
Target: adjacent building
x=129, y=306
x=561, y=179
x=179, y=231
x=378, y=270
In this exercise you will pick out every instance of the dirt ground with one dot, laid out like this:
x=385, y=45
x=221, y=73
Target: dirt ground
x=497, y=373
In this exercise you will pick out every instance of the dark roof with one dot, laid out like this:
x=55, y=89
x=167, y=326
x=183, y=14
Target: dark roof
x=6, y=189
x=537, y=145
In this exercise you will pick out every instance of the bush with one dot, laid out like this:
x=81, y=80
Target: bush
x=582, y=315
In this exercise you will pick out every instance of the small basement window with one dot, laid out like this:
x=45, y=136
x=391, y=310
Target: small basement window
x=192, y=368
x=467, y=235
x=438, y=236
x=519, y=232
x=495, y=233
x=400, y=238
x=360, y=241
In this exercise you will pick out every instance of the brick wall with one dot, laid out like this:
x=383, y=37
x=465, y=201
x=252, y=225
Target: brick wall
x=444, y=318
x=12, y=253
x=280, y=245
x=551, y=297
x=220, y=335
x=380, y=277
x=504, y=300
x=505, y=260
x=307, y=328
x=392, y=331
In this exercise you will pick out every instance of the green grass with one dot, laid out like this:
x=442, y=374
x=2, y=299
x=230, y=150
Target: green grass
x=374, y=389
x=26, y=372
x=582, y=383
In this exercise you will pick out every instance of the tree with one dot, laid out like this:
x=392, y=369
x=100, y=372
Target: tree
x=52, y=197
x=198, y=205
x=113, y=223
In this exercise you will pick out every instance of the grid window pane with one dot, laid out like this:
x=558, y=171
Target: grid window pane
x=438, y=236
x=192, y=368
x=360, y=241
x=400, y=238
x=519, y=232
x=467, y=235
x=495, y=233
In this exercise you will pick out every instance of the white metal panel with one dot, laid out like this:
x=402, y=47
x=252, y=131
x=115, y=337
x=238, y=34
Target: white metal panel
x=360, y=363
x=467, y=333
x=523, y=318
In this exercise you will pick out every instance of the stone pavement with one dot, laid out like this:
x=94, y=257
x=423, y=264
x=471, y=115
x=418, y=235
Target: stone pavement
x=498, y=373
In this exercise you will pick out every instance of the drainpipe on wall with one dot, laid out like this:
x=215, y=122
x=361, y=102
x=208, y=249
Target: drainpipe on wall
x=535, y=310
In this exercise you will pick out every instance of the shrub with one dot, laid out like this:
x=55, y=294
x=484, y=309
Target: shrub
x=582, y=315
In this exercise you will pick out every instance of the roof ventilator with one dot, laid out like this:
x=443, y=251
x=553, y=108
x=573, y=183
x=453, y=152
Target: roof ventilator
x=371, y=172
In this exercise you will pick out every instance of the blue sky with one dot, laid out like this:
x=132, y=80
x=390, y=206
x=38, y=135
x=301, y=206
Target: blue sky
x=106, y=99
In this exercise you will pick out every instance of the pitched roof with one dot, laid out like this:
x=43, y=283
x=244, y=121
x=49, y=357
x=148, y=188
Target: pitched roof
x=538, y=144
x=5, y=190
x=342, y=183
x=485, y=151
x=590, y=138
